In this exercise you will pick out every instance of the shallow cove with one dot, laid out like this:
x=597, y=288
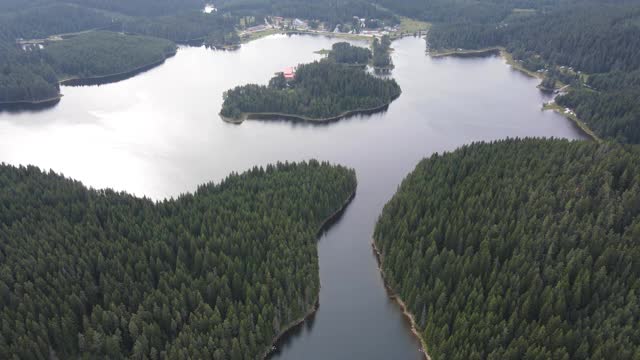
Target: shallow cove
x=158, y=134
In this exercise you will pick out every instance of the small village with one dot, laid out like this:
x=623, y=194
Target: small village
x=358, y=28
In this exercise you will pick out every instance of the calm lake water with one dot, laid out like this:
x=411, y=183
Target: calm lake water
x=159, y=135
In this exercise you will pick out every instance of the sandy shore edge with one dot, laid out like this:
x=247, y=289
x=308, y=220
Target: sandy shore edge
x=395, y=297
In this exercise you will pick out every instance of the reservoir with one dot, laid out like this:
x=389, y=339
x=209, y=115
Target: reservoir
x=159, y=135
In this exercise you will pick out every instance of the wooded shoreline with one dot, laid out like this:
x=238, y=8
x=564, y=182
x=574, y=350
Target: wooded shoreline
x=393, y=295
x=82, y=81
x=298, y=322
x=302, y=118
x=111, y=78
x=584, y=128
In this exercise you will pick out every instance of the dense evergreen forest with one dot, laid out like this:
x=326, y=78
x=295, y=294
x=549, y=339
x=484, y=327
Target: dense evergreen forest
x=520, y=249
x=588, y=38
x=345, y=53
x=50, y=19
x=460, y=11
x=320, y=90
x=212, y=275
x=104, y=53
x=33, y=75
x=144, y=7
x=615, y=113
x=188, y=27
x=382, y=53
x=24, y=77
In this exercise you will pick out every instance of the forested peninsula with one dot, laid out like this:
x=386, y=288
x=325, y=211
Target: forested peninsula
x=216, y=274
x=321, y=91
x=87, y=58
x=102, y=55
x=519, y=249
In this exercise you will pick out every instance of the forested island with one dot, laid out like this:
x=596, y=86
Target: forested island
x=519, y=249
x=320, y=91
x=216, y=274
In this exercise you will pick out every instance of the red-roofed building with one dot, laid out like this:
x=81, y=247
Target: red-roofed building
x=289, y=73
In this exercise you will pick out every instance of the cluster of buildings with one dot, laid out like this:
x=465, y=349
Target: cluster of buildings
x=357, y=26
x=278, y=22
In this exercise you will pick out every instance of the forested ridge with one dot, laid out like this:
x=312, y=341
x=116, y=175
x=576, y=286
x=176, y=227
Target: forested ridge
x=520, y=249
x=105, y=53
x=216, y=274
x=321, y=90
x=34, y=74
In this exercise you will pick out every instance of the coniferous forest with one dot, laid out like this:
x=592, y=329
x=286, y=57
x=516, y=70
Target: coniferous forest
x=381, y=53
x=515, y=249
x=216, y=274
x=104, y=53
x=321, y=90
x=345, y=53
x=34, y=74
x=520, y=249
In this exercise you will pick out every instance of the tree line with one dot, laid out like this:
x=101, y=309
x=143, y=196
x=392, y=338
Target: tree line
x=211, y=275
x=322, y=89
x=105, y=53
x=519, y=249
